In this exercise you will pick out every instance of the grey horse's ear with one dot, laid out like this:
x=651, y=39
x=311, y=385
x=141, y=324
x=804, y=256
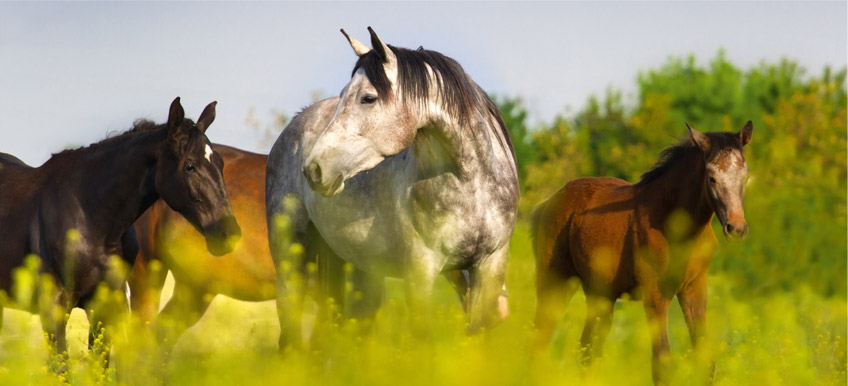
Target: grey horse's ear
x=699, y=138
x=382, y=50
x=746, y=133
x=358, y=47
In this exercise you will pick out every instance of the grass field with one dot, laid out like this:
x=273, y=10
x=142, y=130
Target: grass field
x=791, y=338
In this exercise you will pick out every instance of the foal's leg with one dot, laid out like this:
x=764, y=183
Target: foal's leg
x=656, y=308
x=487, y=282
x=693, y=302
x=553, y=294
x=182, y=311
x=599, y=310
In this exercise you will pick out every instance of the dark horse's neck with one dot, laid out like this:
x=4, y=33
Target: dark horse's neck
x=115, y=181
x=680, y=187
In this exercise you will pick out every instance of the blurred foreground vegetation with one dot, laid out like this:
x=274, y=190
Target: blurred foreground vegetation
x=777, y=304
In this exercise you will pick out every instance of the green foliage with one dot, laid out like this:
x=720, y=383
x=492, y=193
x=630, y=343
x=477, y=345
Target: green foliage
x=515, y=117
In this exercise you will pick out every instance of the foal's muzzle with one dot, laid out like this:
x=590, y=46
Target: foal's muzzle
x=736, y=230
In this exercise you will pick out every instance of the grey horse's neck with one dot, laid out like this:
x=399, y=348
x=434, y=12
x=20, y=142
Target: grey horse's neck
x=469, y=150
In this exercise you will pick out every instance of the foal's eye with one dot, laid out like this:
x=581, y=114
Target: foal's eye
x=369, y=99
x=712, y=181
x=189, y=166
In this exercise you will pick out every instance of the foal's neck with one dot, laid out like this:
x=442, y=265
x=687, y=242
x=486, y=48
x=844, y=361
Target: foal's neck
x=681, y=187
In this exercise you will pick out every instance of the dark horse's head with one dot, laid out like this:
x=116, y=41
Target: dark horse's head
x=189, y=178
x=726, y=175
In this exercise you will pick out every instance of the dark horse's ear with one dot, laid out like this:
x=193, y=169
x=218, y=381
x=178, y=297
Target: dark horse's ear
x=176, y=115
x=699, y=138
x=177, y=135
x=206, y=117
x=746, y=132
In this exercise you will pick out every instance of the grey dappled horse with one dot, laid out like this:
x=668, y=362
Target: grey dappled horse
x=409, y=173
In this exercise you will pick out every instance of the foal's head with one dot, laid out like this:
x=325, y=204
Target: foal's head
x=725, y=175
x=189, y=178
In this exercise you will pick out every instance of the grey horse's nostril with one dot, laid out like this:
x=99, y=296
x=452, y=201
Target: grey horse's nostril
x=728, y=228
x=313, y=172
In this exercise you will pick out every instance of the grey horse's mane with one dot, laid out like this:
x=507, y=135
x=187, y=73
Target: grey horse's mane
x=461, y=96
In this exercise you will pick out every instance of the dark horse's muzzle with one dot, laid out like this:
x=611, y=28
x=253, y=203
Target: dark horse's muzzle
x=222, y=235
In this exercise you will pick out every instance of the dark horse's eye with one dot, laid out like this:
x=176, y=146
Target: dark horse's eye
x=368, y=99
x=189, y=166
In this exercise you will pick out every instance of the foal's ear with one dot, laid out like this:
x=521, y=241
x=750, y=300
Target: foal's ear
x=746, y=132
x=206, y=117
x=176, y=115
x=358, y=47
x=699, y=138
x=383, y=51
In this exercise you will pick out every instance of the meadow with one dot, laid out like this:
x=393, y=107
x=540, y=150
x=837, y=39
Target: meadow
x=777, y=309
x=790, y=338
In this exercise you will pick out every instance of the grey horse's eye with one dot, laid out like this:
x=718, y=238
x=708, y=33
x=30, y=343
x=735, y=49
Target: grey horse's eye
x=712, y=181
x=369, y=99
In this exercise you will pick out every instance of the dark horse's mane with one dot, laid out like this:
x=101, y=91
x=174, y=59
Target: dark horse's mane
x=461, y=96
x=719, y=142
x=139, y=126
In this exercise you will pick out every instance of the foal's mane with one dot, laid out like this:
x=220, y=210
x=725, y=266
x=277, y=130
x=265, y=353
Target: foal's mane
x=686, y=148
x=461, y=97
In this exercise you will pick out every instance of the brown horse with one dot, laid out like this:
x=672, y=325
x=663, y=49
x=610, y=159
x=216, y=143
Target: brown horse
x=248, y=273
x=651, y=240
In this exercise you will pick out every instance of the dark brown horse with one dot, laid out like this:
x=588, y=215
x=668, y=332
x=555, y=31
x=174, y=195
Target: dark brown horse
x=652, y=240
x=74, y=211
x=247, y=273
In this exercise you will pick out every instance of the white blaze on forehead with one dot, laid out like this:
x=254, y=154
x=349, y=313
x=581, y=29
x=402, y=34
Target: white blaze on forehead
x=208, y=153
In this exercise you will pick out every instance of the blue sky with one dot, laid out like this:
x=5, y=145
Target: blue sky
x=71, y=73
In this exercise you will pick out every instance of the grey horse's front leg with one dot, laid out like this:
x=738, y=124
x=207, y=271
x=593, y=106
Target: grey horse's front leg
x=290, y=281
x=488, y=277
x=421, y=274
x=368, y=293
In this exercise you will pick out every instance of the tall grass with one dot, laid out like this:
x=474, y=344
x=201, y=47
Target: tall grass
x=792, y=337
